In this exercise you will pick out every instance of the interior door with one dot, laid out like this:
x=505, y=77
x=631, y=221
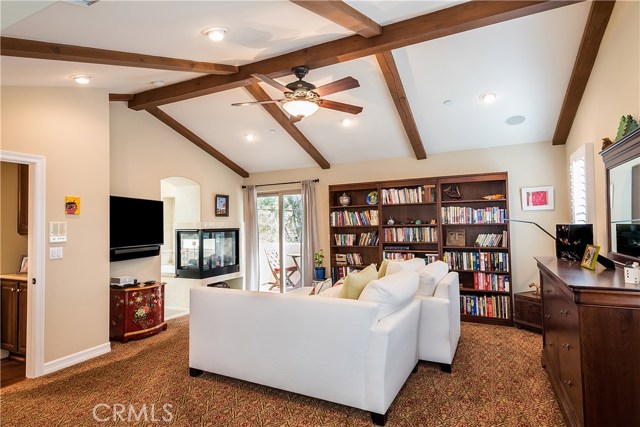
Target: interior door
x=280, y=240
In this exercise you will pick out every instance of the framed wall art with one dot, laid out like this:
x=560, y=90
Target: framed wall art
x=537, y=198
x=222, y=205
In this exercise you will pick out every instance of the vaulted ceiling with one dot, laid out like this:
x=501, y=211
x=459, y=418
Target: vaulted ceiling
x=421, y=68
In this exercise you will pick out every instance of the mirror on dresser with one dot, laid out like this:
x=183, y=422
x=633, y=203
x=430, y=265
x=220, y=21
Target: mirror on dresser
x=622, y=163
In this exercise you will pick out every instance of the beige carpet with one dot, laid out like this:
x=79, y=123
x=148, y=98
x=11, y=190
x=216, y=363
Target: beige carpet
x=496, y=381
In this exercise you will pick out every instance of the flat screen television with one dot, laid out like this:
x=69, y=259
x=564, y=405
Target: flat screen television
x=136, y=227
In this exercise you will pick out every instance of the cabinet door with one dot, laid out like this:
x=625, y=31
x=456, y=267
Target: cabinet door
x=22, y=319
x=23, y=199
x=9, y=308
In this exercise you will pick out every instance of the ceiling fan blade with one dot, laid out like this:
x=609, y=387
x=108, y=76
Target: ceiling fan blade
x=242, y=104
x=271, y=82
x=339, y=106
x=337, y=86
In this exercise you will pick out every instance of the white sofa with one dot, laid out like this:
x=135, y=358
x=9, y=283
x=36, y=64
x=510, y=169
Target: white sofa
x=439, y=294
x=334, y=349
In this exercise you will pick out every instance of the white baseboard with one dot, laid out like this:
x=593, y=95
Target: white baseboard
x=72, y=359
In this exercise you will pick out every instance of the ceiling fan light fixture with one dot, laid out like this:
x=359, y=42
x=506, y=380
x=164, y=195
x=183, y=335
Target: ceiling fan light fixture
x=81, y=79
x=300, y=108
x=215, y=33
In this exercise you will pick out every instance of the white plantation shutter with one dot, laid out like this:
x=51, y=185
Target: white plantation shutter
x=582, y=185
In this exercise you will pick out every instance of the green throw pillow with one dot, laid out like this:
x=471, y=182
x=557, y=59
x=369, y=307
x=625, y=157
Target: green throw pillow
x=355, y=282
x=383, y=269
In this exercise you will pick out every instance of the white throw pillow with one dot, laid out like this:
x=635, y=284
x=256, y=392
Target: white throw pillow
x=332, y=292
x=391, y=292
x=413, y=264
x=430, y=276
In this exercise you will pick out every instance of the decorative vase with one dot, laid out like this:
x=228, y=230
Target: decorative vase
x=344, y=199
x=318, y=273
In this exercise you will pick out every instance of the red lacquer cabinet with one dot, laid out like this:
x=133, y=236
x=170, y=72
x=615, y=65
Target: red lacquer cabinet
x=136, y=312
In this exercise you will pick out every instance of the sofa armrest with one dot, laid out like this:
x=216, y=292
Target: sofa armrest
x=392, y=356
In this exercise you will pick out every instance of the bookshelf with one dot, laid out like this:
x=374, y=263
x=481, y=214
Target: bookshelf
x=448, y=218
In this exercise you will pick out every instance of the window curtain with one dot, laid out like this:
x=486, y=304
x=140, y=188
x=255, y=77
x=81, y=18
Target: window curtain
x=252, y=270
x=309, y=231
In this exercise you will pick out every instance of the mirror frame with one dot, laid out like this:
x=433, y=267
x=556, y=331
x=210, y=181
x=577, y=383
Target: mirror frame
x=622, y=151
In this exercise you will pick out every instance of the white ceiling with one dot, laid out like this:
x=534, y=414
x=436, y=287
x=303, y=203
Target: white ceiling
x=527, y=62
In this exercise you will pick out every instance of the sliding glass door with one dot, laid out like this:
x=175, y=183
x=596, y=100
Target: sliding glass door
x=280, y=240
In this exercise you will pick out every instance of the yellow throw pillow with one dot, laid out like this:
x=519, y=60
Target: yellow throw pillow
x=383, y=268
x=355, y=282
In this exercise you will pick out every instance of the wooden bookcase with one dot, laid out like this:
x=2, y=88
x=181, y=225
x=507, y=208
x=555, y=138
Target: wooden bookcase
x=448, y=218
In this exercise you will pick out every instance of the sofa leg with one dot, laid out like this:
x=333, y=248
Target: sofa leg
x=379, y=419
x=445, y=367
x=195, y=372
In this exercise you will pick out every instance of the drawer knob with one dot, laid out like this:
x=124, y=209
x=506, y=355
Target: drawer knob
x=550, y=344
x=564, y=312
x=566, y=346
x=567, y=383
x=547, y=316
x=547, y=291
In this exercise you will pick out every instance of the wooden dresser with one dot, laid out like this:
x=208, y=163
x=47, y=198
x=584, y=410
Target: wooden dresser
x=591, y=342
x=136, y=312
x=13, y=313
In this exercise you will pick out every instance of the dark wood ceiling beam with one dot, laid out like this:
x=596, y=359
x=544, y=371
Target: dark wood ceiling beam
x=120, y=97
x=342, y=14
x=260, y=95
x=453, y=20
x=63, y=52
x=396, y=89
x=195, y=139
x=591, y=38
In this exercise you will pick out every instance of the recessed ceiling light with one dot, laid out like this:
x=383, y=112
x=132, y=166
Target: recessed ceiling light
x=347, y=122
x=272, y=131
x=515, y=120
x=488, y=97
x=215, y=33
x=447, y=102
x=82, y=79
x=250, y=137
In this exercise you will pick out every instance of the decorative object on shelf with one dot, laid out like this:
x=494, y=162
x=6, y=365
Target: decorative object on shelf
x=417, y=222
x=537, y=198
x=344, y=200
x=390, y=221
x=606, y=142
x=572, y=240
x=72, y=205
x=222, y=205
x=24, y=264
x=318, y=270
x=632, y=273
x=372, y=198
x=452, y=191
x=590, y=257
x=627, y=125
x=536, y=290
x=456, y=237
x=496, y=196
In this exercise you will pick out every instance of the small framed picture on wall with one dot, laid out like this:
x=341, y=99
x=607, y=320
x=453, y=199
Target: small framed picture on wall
x=222, y=205
x=537, y=198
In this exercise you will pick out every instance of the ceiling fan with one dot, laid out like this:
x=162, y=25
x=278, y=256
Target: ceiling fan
x=301, y=99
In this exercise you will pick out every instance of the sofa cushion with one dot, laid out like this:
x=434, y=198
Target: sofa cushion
x=355, y=282
x=430, y=276
x=391, y=292
x=382, y=271
x=412, y=265
x=332, y=292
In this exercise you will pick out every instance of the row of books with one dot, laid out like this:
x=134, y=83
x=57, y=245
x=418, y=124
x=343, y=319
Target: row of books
x=349, y=259
x=340, y=272
x=490, y=282
x=394, y=196
x=487, y=240
x=351, y=239
x=478, y=261
x=346, y=218
x=428, y=257
x=466, y=215
x=411, y=234
x=496, y=306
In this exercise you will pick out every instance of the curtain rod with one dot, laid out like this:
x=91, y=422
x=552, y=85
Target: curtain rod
x=281, y=183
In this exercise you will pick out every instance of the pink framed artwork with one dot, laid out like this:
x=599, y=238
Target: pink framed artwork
x=537, y=198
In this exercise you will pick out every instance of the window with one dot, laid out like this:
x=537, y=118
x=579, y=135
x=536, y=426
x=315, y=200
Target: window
x=581, y=185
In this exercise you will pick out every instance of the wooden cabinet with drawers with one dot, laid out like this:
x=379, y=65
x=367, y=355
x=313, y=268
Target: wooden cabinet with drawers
x=14, y=314
x=527, y=311
x=591, y=336
x=136, y=312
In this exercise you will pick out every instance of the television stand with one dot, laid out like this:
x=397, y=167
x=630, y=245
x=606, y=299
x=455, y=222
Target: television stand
x=136, y=312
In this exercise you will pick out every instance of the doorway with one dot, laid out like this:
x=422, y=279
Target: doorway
x=280, y=240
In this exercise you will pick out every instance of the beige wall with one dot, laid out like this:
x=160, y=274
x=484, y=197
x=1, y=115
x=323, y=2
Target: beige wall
x=14, y=245
x=143, y=152
x=528, y=165
x=70, y=128
x=613, y=91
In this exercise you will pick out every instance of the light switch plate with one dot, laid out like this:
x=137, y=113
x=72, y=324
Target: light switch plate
x=57, y=232
x=55, y=252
